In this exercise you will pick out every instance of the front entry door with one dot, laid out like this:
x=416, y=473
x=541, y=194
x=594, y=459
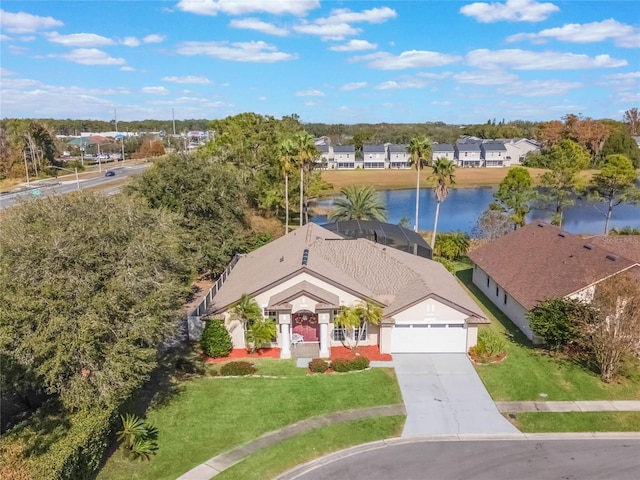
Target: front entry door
x=306, y=324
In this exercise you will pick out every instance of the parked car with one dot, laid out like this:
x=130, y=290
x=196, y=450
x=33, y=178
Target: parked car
x=110, y=173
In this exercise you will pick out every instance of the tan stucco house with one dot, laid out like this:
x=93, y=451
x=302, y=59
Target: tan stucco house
x=303, y=279
x=539, y=262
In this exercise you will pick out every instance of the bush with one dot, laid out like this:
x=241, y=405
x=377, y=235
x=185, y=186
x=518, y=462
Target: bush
x=215, y=340
x=359, y=363
x=340, y=365
x=318, y=365
x=140, y=439
x=490, y=343
x=551, y=320
x=233, y=369
x=343, y=365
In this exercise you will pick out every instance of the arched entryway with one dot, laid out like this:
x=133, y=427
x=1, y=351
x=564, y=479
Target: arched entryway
x=305, y=323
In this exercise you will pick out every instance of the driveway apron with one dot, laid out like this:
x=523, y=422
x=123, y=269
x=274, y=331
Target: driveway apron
x=443, y=395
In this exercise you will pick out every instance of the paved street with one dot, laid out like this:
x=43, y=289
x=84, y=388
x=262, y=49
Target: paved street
x=484, y=460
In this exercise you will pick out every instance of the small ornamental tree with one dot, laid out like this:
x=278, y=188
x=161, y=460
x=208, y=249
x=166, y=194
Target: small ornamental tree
x=259, y=333
x=552, y=320
x=216, y=341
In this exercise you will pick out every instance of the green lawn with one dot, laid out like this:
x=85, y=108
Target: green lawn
x=271, y=461
x=530, y=373
x=534, y=422
x=207, y=416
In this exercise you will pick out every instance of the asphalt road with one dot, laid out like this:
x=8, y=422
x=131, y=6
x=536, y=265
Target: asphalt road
x=67, y=184
x=487, y=460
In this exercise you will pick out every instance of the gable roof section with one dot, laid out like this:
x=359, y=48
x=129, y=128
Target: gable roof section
x=540, y=261
x=396, y=148
x=307, y=289
x=373, y=148
x=344, y=149
x=468, y=146
x=625, y=245
x=442, y=147
x=493, y=146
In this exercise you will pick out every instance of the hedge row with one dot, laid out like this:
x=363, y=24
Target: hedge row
x=318, y=365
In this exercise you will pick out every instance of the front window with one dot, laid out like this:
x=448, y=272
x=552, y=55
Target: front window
x=339, y=334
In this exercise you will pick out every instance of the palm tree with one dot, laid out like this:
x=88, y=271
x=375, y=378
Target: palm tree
x=287, y=153
x=305, y=153
x=443, y=174
x=419, y=148
x=246, y=311
x=360, y=203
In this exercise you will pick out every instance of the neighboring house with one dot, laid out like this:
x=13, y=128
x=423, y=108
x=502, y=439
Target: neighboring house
x=398, y=156
x=303, y=279
x=326, y=157
x=344, y=157
x=374, y=156
x=538, y=262
x=443, y=150
x=468, y=153
x=493, y=153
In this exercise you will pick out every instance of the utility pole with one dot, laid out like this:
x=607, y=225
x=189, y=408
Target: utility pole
x=115, y=118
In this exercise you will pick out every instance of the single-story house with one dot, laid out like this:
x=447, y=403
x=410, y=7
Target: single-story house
x=303, y=279
x=539, y=262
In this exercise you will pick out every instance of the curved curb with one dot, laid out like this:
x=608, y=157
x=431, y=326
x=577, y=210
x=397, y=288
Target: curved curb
x=307, y=467
x=219, y=463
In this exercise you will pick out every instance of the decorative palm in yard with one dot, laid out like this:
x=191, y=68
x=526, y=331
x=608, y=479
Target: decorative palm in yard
x=360, y=203
x=443, y=175
x=305, y=154
x=353, y=320
x=247, y=312
x=420, y=150
x=286, y=153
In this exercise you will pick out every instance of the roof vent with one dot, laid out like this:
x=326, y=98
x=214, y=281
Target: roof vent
x=541, y=225
x=282, y=259
x=613, y=258
x=561, y=235
x=588, y=247
x=305, y=256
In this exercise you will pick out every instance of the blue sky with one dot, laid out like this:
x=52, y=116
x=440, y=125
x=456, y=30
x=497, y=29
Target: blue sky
x=334, y=62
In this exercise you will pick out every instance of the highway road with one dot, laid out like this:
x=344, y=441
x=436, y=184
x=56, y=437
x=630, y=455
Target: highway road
x=589, y=459
x=67, y=184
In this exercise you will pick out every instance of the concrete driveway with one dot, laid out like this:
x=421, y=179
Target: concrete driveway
x=443, y=395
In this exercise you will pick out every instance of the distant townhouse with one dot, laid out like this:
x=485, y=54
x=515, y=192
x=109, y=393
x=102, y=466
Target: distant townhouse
x=398, y=156
x=518, y=149
x=325, y=161
x=468, y=153
x=344, y=157
x=443, y=150
x=374, y=156
x=493, y=153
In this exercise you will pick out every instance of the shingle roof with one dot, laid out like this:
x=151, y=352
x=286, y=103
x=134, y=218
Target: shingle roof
x=395, y=148
x=442, y=147
x=626, y=245
x=468, y=146
x=496, y=146
x=373, y=149
x=540, y=261
x=344, y=148
x=394, y=278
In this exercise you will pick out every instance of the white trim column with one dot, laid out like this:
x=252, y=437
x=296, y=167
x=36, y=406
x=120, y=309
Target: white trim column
x=323, y=320
x=285, y=351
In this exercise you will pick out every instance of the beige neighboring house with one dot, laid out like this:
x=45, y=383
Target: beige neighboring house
x=540, y=261
x=303, y=279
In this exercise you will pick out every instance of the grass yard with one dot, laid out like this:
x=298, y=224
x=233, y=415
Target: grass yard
x=530, y=373
x=538, y=422
x=209, y=415
x=279, y=458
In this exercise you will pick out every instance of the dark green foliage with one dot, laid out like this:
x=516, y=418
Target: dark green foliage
x=451, y=245
x=448, y=264
x=359, y=363
x=216, y=341
x=233, y=369
x=340, y=365
x=514, y=195
x=621, y=142
x=318, y=365
x=261, y=332
x=490, y=343
x=359, y=203
x=552, y=321
x=138, y=438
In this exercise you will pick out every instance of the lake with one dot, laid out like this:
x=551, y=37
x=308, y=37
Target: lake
x=463, y=206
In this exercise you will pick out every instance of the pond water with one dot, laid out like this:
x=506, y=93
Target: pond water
x=463, y=206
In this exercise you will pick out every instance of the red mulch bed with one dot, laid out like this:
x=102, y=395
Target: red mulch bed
x=372, y=352
x=238, y=353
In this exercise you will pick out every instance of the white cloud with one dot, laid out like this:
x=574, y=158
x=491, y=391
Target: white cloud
x=127, y=68
x=259, y=26
x=258, y=52
x=409, y=59
x=262, y=99
x=353, y=86
x=154, y=38
x=403, y=85
x=310, y=93
x=131, y=42
x=5, y=38
x=22, y=22
x=79, y=39
x=538, y=88
x=311, y=104
x=528, y=60
x=154, y=90
x=624, y=76
x=241, y=7
x=441, y=102
x=484, y=77
x=6, y=73
x=623, y=35
x=354, y=46
x=192, y=79
x=337, y=25
x=90, y=56
x=511, y=11
x=332, y=31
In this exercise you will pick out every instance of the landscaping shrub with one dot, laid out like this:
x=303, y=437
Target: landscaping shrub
x=139, y=438
x=490, y=343
x=340, y=365
x=318, y=365
x=552, y=320
x=359, y=363
x=237, y=369
x=215, y=340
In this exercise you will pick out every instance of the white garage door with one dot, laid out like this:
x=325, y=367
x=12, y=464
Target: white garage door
x=433, y=338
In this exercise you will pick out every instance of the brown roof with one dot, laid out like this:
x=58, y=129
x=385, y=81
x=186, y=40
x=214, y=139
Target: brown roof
x=625, y=245
x=540, y=261
x=394, y=278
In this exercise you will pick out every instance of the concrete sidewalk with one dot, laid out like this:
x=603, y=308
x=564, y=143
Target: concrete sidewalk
x=219, y=463
x=577, y=406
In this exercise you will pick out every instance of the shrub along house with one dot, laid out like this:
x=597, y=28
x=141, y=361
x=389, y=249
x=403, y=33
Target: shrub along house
x=539, y=262
x=302, y=281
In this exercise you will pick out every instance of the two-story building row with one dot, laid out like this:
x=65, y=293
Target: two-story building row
x=466, y=152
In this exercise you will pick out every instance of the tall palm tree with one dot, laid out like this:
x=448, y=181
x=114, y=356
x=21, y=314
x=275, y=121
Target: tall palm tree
x=443, y=174
x=420, y=150
x=305, y=153
x=360, y=203
x=246, y=311
x=286, y=154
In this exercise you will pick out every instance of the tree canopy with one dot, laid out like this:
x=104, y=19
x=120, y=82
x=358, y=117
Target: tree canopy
x=359, y=203
x=515, y=194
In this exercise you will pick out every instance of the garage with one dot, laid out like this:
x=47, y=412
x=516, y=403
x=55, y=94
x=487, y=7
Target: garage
x=429, y=338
